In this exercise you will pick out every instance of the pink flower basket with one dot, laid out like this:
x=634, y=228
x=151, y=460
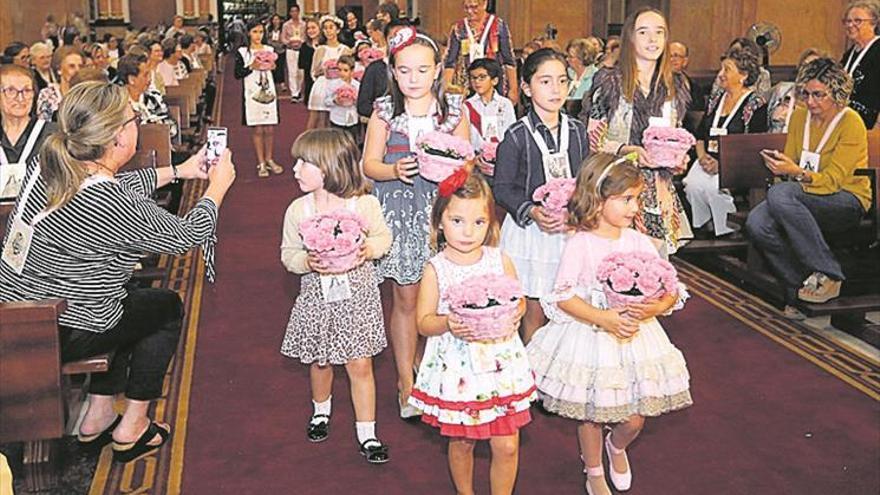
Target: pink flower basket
x=635, y=277
x=345, y=95
x=265, y=59
x=485, y=303
x=554, y=195
x=488, y=153
x=667, y=146
x=331, y=69
x=358, y=73
x=335, y=237
x=370, y=55
x=441, y=154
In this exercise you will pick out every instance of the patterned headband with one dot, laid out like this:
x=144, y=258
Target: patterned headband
x=632, y=157
x=407, y=36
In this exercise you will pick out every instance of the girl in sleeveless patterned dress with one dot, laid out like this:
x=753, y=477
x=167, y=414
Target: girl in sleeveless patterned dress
x=464, y=399
x=415, y=105
x=600, y=365
x=337, y=317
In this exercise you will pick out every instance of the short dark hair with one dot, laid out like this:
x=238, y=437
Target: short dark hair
x=13, y=49
x=186, y=41
x=129, y=66
x=395, y=22
x=746, y=62
x=493, y=68
x=347, y=60
x=391, y=9
x=169, y=46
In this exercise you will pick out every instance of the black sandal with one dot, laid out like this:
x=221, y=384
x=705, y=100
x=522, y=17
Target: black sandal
x=127, y=452
x=374, y=451
x=318, y=432
x=99, y=440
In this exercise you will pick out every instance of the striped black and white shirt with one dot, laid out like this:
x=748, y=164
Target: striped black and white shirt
x=86, y=251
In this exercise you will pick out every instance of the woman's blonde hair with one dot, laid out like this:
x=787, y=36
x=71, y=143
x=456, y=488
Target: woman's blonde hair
x=617, y=174
x=475, y=187
x=338, y=157
x=584, y=50
x=89, y=119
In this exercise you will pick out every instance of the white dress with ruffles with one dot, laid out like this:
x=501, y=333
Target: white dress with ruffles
x=588, y=374
x=453, y=396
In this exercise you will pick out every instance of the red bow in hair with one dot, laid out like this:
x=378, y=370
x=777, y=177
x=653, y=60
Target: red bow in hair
x=453, y=182
x=403, y=38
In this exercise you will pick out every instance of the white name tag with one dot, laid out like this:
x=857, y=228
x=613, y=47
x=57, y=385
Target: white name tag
x=490, y=127
x=712, y=146
x=335, y=288
x=809, y=161
x=718, y=131
x=659, y=122
x=476, y=51
x=18, y=244
x=557, y=164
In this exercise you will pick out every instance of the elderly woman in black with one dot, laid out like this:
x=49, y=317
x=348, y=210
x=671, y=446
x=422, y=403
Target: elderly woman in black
x=86, y=228
x=826, y=143
x=862, y=60
x=738, y=109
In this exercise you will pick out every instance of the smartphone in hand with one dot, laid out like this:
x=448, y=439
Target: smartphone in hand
x=217, y=139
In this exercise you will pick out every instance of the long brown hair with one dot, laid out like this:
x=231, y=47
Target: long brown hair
x=475, y=187
x=589, y=195
x=338, y=157
x=629, y=70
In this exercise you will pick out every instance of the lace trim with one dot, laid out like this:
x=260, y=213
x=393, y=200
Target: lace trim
x=384, y=108
x=658, y=370
x=648, y=406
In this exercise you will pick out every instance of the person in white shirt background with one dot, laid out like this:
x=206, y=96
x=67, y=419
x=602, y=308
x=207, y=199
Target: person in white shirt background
x=489, y=113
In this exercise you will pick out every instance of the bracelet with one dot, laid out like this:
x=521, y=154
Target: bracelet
x=176, y=177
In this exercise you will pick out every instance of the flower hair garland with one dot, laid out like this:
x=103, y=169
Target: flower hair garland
x=453, y=183
x=331, y=18
x=407, y=36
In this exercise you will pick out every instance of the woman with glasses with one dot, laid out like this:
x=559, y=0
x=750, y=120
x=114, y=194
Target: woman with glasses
x=862, y=60
x=22, y=134
x=827, y=142
x=17, y=53
x=85, y=228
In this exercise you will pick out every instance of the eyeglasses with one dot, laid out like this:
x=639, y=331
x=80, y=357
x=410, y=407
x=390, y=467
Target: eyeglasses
x=854, y=22
x=23, y=94
x=480, y=77
x=816, y=95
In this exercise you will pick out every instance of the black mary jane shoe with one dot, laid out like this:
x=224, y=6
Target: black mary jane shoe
x=127, y=452
x=374, y=451
x=99, y=440
x=318, y=432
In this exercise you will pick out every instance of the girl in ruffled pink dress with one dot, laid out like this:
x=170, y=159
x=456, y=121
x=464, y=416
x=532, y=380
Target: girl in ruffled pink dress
x=470, y=389
x=599, y=364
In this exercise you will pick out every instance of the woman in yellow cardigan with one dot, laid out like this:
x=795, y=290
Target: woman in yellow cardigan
x=827, y=141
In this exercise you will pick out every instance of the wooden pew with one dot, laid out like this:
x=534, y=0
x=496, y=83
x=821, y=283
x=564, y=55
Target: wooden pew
x=36, y=395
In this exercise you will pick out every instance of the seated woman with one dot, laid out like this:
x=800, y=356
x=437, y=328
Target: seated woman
x=134, y=74
x=66, y=61
x=827, y=142
x=77, y=231
x=21, y=135
x=783, y=95
x=736, y=110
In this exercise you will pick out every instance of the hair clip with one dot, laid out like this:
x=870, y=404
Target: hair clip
x=453, y=183
x=406, y=36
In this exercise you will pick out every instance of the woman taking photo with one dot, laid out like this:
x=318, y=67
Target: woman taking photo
x=738, y=109
x=86, y=228
x=259, y=99
x=827, y=142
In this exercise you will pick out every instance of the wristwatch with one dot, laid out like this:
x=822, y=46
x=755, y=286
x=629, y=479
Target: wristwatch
x=176, y=178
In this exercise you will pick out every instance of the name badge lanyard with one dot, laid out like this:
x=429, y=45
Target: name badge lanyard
x=851, y=69
x=545, y=151
x=825, y=137
x=722, y=131
x=483, y=38
x=28, y=147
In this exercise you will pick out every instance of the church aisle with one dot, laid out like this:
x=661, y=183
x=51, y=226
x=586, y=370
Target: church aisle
x=765, y=420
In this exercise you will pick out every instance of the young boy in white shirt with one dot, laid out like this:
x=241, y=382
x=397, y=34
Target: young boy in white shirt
x=489, y=113
x=343, y=114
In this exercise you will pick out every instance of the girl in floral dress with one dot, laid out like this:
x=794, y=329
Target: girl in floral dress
x=600, y=365
x=455, y=390
x=415, y=105
x=640, y=91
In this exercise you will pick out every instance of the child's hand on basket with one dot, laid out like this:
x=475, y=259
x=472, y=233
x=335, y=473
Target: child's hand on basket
x=619, y=323
x=459, y=329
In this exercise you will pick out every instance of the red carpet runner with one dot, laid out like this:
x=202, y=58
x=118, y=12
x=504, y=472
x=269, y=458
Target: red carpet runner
x=765, y=420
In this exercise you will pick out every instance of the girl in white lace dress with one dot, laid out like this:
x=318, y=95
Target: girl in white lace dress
x=465, y=400
x=602, y=365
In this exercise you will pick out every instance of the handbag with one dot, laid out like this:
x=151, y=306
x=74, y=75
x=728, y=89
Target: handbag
x=264, y=95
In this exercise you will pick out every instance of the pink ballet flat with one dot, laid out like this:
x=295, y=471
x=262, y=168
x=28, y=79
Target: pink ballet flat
x=621, y=481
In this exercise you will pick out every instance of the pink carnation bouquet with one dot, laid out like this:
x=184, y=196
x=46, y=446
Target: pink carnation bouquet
x=345, y=95
x=441, y=154
x=265, y=59
x=488, y=153
x=554, y=195
x=370, y=55
x=331, y=69
x=335, y=237
x=635, y=277
x=667, y=146
x=485, y=303
x=358, y=73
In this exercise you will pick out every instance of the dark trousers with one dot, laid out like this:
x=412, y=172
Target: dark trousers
x=788, y=227
x=144, y=339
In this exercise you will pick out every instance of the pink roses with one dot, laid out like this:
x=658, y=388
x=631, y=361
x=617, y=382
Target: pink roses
x=335, y=237
x=635, y=277
x=441, y=154
x=667, y=146
x=554, y=195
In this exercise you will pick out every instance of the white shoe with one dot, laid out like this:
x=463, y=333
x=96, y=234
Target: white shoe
x=596, y=484
x=621, y=481
x=408, y=410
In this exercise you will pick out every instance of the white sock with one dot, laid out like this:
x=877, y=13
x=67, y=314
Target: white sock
x=322, y=408
x=366, y=430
